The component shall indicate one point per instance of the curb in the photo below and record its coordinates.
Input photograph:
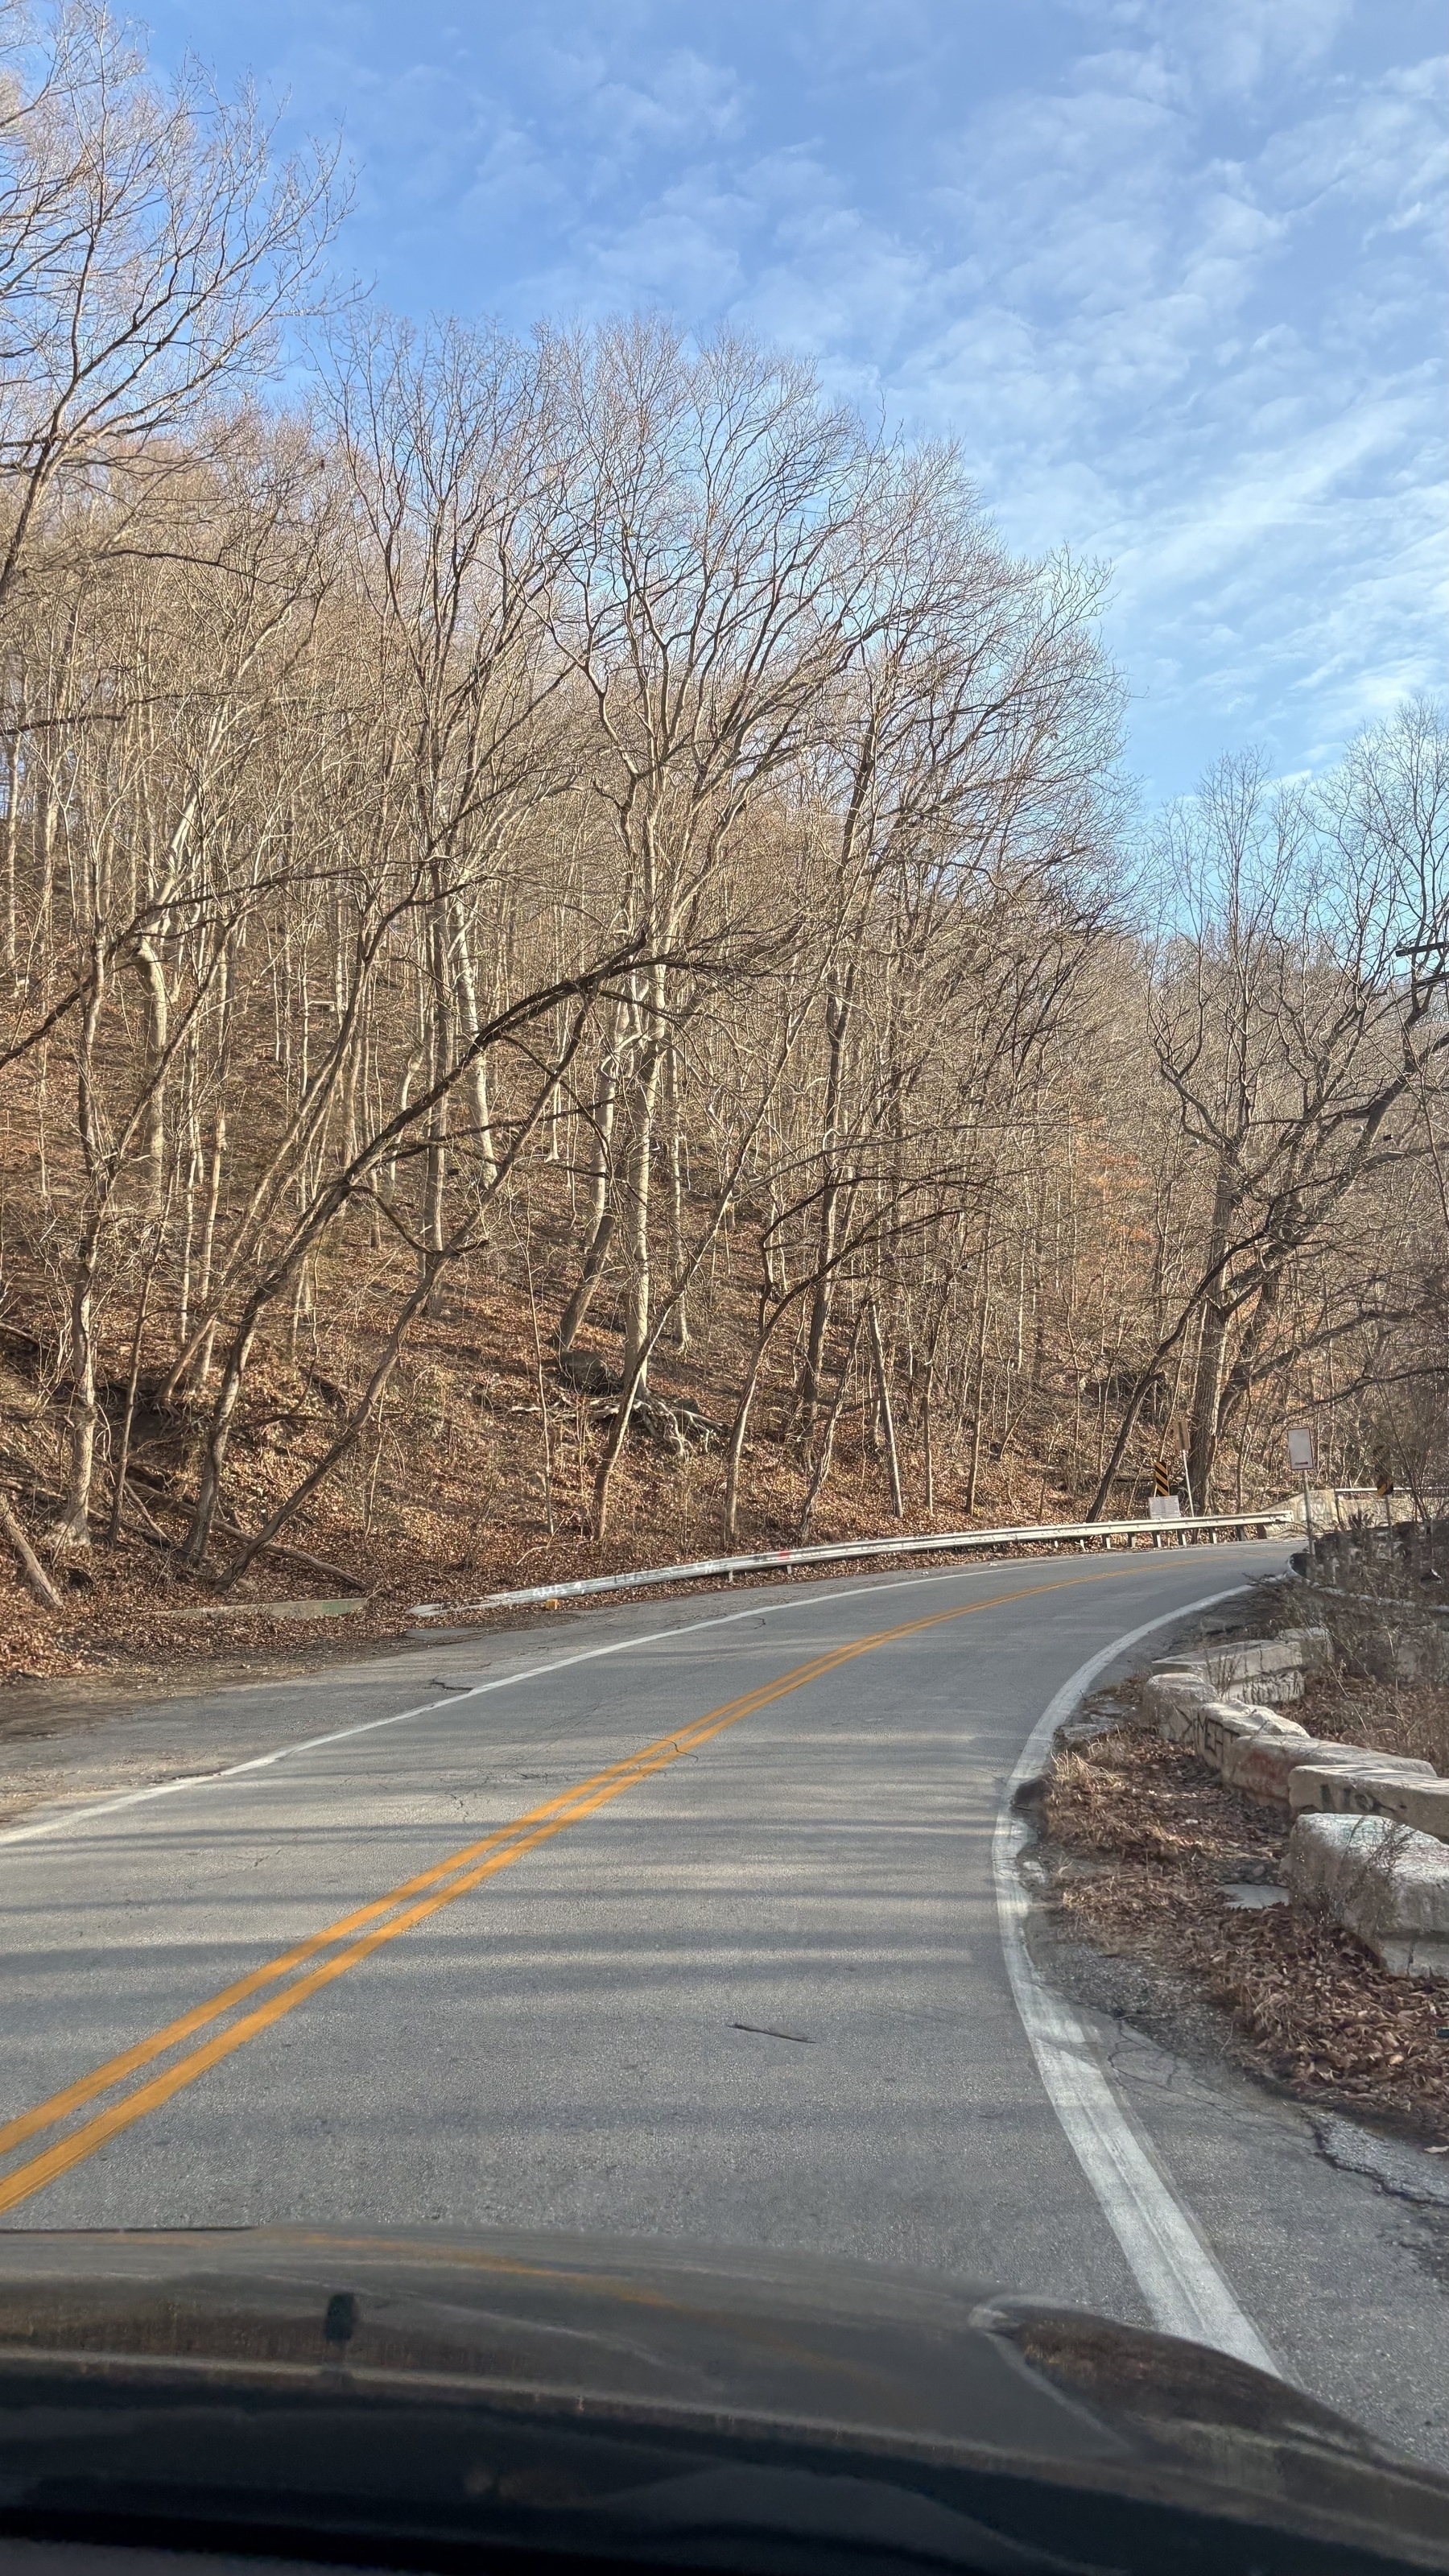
(1370, 1836)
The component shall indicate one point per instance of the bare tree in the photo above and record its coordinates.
(589, 815)
(151, 251)
(1294, 1023)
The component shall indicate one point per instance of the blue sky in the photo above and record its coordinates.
(1171, 271)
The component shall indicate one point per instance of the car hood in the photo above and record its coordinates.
(650, 2343)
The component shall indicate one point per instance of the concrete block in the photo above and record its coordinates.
(1386, 1883)
(1257, 1672)
(1262, 1764)
(1169, 1697)
(1209, 1726)
(1264, 1716)
(1278, 1689)
(1225, 1721)
(1175, 1716)
(1408, 1791)
(1186, 1715)
(1271, 1668)
(1313, 1647)
(1246, 1658)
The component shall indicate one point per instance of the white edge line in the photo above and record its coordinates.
(1186, 2291)
(758, 1608)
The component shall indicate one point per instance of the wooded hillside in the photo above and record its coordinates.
(579, 972)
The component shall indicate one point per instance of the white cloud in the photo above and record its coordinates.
(1166, 270)
(1231, 48)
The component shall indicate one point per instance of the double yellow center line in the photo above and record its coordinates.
(314, 1963)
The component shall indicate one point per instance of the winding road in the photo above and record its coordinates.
(677, 1920)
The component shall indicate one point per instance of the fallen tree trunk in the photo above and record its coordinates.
(161, 1493)
(27, 1560)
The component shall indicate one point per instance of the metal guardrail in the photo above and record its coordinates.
(1034, 1534)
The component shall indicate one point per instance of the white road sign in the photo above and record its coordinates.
(1300, 1448)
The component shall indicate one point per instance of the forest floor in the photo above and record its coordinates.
(1152, 1861)
(476, 1479)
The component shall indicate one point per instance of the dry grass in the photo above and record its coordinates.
(1375, 1692)
(1140, 1837)
(1392, 1717)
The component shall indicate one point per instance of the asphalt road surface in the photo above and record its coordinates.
(676, 1920)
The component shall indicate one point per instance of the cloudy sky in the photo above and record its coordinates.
(1171, 271)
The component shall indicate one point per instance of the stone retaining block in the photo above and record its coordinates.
(1383, 1881)
(1263, 1763)
(1205, 1725)
(1383, 1785)
(1222, 1722)
(1273, 1667)
(1176, 1708)
(1167, 1693)
(1358, 1813)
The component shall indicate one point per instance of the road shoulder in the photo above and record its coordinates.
(1334, 2236)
